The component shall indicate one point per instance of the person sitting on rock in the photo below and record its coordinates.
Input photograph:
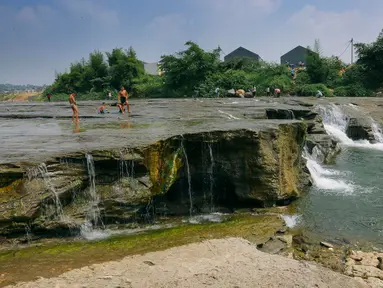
(277, 92)
(102, 109)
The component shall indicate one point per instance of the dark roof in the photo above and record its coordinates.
(241, 49)
(299, 47)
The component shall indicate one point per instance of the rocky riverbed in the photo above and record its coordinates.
(170, 158)
(229, 262)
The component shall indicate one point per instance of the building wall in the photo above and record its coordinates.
(295, 55)
(151, 68)
(240, 52)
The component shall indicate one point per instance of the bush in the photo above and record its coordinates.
(312, 89)
(148, 86)
(355, 90)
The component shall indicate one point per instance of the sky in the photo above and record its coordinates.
(39, 38)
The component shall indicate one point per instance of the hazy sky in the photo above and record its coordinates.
(38, 37)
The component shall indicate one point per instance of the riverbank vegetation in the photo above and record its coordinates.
(196, 72)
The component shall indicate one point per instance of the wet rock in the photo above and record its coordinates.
(359, 129)
(273, 246)
(326, 244)
(254, 167)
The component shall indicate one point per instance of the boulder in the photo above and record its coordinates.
(193, 172)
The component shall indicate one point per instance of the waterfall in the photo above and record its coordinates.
(335, 124)
(42, 171)
(92, 218)
(189, 179)
(376, 131)
(126, 168)
(322, 177)
(211, 178)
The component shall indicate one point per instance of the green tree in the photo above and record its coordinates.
(316, 68)
(186, 70)
(124, 67)
(370, 58)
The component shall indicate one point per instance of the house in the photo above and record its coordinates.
(151, 68)
(242, 52)
(298, 54)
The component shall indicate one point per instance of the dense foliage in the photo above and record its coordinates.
(196, 72)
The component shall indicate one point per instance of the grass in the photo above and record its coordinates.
(20, 97)
(52, 260)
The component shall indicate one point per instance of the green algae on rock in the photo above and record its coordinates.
(253, 167)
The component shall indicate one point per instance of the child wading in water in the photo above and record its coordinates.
(102, 109)
(74, 107)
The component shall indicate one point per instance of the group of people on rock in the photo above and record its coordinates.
(121, 103)
(253, 92)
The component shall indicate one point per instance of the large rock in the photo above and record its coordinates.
(359, 129)
(179, 175)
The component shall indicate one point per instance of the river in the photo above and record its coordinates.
(346, 199)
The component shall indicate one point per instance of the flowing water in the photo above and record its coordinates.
(92, 219)
(189, 180)
(346, 199)
(211, 178)
(41, 171)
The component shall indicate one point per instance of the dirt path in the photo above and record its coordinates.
(222, 263)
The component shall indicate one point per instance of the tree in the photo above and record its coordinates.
(316, 67)
(124, 67)
(371, 62)
(187, 69)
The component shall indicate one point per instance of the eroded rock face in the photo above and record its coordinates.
(220, 169)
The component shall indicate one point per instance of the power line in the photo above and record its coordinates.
(349, 43)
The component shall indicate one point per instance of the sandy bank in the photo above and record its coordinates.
(222, 263)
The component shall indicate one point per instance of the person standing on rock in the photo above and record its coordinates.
(268, 91)
(74, 107)
(123, 100)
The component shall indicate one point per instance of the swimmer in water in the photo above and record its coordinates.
(74, 107)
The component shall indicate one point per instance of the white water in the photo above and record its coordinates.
(376, 131)
(189, 180)
(92, 219)
(291, 220)
(213, 217)
(335, 123)
(103, 234)
(322, 177)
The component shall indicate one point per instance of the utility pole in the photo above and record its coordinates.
(352, 51)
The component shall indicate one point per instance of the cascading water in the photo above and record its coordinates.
(42, 171)
(92, 218)
(189, 179)
(376, 131)
(211, 178)
(335, 123)
(322, 177)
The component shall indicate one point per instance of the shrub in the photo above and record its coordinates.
(312, 89)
